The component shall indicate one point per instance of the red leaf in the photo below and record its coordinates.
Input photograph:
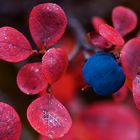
(47, 24)
(130, 58)
(97, 21)
(65, 88)
(124, 19)
(136, 91)
(107, 121)
(10, 125)
(49, 117)
(110, 34)
(98, 41)
(54, 64)
(30, 79)
(14, 47)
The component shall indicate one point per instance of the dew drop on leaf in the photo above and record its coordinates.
(54, 64)
(47, 24)
(130, 58)
(30, 79)
(14, 47)
(10, 125)
(136, 91)
(49, 117)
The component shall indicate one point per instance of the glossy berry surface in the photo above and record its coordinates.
(103, 73)
(10, 125)
(47, 24)
(49, 117)
(30, 79)
(54, 64)
(14, 47)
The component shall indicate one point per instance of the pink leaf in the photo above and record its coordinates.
(136, 91)
(54, 64)
(97, 21)
(14, 47)
(49, 117)
(107, 121)
(130, 57)
(10, 125)
(47, 24)
(110, 34)
(124, 19)
(30, 79)
(98, 41)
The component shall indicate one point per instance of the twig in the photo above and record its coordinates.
(80, 37)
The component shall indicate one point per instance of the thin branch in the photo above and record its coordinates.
(80, 36)
(79, 33)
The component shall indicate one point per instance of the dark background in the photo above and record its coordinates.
(15, 13)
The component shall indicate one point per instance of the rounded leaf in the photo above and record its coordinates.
(47, 24)
(49, 117)
(14, 47)
(10, 124)
(136, 91)
(107, 121)
(124, 19)
(30, 79)
(130, 58)
(98, 41)
(54, 64)
(97, 21)
(110, 34)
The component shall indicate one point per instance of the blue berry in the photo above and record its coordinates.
(103, 74)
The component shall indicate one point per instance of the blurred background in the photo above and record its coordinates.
(15, 13)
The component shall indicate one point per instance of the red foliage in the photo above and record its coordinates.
(107, 121)
(30, 79)
(65, 88)
(49, 117)
(110, 34)
(98, 41)
(14, 47)
(124, 19)
(54, 64)
(47, 24)
(75, 133)
(136, 91)
(130, 58)
(97, 21)
(10, 125)
(67, 43)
